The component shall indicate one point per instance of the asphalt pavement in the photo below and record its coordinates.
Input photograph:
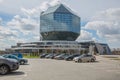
(48, 69)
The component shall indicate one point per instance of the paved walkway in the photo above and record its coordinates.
(47, 69)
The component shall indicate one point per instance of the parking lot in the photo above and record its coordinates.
(50, 69)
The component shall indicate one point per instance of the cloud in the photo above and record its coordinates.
(1, 1)
(30, 21)
(31, 13)
(36, 11)
(0, 21)
(44, 6)
(10, 36)
(47, 4)
(54, 2)
(107, 25)
(108, 15)
(85, 36)
(24, 25)
(103, 27)
(4, 45)
(24, 28)
(7, 33)
(19, 29)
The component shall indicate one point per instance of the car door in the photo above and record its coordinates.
(86, 58)
(89, 57)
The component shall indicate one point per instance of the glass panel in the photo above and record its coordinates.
(60, 22)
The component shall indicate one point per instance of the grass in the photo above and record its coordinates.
(115, 59)
(28, 56)
(110, 57)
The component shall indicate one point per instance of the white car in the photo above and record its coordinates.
(85, 58)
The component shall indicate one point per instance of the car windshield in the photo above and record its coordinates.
(1, 57)
(11, 56)
(82, 55)
(61, 55)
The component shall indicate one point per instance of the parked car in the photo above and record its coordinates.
(20, 60)
(54, 55)
(7, 65)
(18, 54)
(43, 55)
(49, 55)
(61, 56)
(70, 57)
(85, 58)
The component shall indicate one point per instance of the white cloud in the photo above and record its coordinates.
(47, 4)
(103, 27)
(31, 13)
(54, 2)
(1, 1)
(19, 29)
(6, 32)
(0, 21)
(44, 5)
(23, 28)
(108, 15)
(36, 11)
(4, 45)
(107, 25)
(25, 25)
(85, 36)
(30, 21)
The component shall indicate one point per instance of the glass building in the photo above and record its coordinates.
(60, 27)
(59, 23)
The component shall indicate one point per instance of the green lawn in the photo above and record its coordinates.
(115, 59)
(110, 57)
(28, 56)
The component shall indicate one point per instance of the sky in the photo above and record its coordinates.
(19, 20)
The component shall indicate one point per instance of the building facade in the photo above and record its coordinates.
(59, 27)
(59, 23)
(69, 47)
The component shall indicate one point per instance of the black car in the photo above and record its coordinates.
(43, 55)
(70, 57)
(53, 56)
(49, 55)
(61, 56)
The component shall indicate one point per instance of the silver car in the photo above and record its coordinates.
(8, 65)
(85, 58)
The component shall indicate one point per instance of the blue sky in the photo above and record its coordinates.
(19, 20)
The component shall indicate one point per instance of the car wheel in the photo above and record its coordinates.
(79, 60)
(4, 69)
(92, 60)
(22, 62)
(69, 59)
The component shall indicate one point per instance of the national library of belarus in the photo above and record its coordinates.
(59, 29)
